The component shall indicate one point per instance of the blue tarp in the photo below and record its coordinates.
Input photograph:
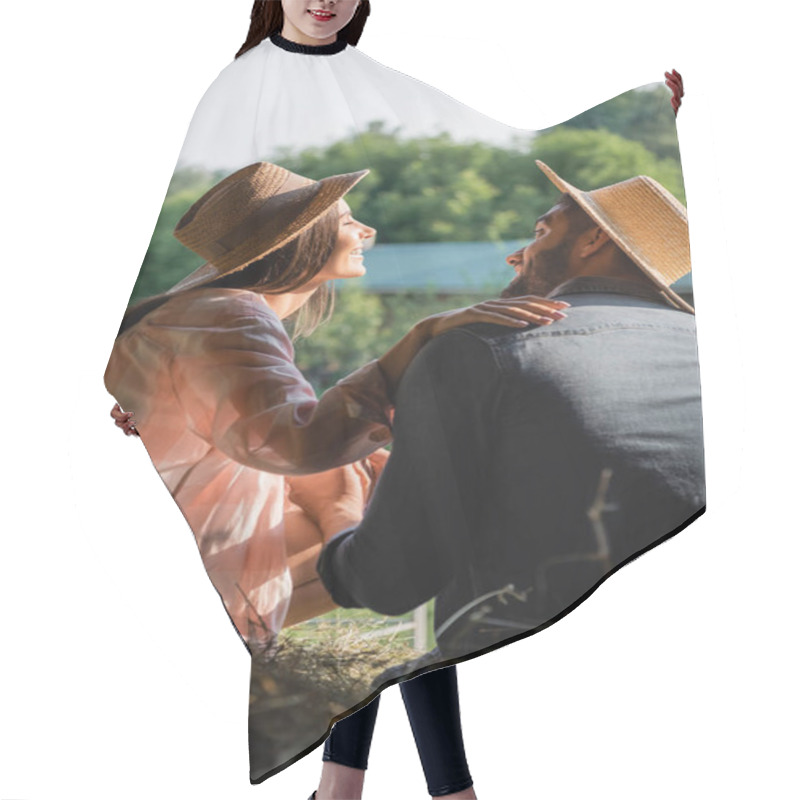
(447, 267)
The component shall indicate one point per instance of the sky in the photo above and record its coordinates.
(121, 678)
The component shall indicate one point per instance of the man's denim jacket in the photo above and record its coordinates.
(544, 458)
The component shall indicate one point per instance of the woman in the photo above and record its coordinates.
(207, 370)
(297, 64)
(286, 87)
(299, 82)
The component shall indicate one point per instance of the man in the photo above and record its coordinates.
(529, 465)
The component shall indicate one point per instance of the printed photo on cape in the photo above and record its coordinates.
(500, 487)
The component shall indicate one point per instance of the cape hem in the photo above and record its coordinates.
(460, 659)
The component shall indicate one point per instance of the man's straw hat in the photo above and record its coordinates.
(645, 221)
(252, 213)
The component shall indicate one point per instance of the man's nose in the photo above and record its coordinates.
(515, 259)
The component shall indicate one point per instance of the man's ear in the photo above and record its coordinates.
(592, 241)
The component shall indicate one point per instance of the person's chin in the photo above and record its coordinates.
(354, 272)
(514, 289)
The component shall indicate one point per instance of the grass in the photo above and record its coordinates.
(315, 673)
(368, 621)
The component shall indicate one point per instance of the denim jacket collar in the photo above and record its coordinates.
(599, 284)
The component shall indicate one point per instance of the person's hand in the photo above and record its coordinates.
(124, 420)
(515, 312)
(674, 82)
(376, 461)
(334, 499)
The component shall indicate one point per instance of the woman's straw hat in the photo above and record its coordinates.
(645, 221)
(252, 213)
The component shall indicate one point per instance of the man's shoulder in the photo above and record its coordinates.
(601, 308)
(585, 315)
(475, 337)
(480, 344)
(591, 327)
(483, 336)
(473, 355)
(486, 334)
(456, 358)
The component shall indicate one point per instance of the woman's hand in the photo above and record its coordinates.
(334, 499)
(377, 462)
(515, 312)
(674, 82)
(124, 420)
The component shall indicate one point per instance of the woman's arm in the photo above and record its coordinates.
(240, 389)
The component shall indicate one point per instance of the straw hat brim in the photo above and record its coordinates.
(288, 216)
(596, 213)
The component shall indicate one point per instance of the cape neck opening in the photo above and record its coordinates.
(308, 49)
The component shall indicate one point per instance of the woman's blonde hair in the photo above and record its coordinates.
(289, 268)
(284, 270)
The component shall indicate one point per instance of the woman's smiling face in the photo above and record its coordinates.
(347, 258)
(316, 22)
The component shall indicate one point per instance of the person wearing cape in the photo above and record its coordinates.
(285, 92)
(435, 695)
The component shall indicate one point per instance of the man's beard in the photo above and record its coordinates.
(548, 270)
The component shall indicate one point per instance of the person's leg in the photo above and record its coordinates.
(433, 711)
(346, 754)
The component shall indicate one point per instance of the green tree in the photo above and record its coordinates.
(644, 115)
(432, 189)
(363, 327)
(590, 159)
(167, 261)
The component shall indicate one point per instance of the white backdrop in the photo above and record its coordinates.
(120, 676)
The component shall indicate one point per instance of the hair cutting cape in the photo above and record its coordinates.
(525, 468)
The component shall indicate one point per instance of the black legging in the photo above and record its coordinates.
(432, 707)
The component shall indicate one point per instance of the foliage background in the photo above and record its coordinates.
(436, 190)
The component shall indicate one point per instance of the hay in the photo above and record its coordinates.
(309, 677)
